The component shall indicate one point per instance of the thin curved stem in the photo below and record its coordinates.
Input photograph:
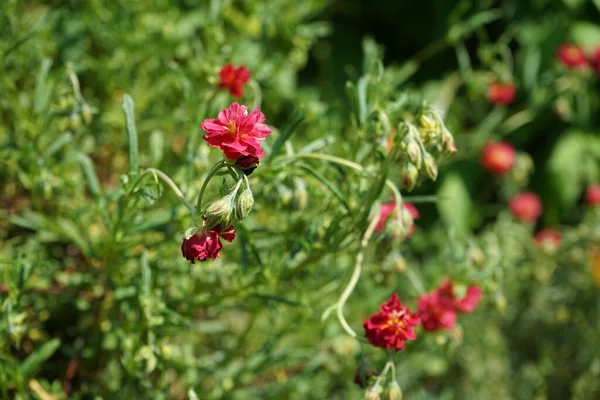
(355, 276)
(174, 187)
(211, 173)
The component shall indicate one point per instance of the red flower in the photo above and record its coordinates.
(595, 60)
(438, 308)
(501, 94)
(498, 157)
(572, 56)
(234, 79)
(548, 239)
(592, 194)
(392, 326)
(206, 244)
(526, 206)
(236, 132)
(386, 209)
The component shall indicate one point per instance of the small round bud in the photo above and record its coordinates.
(447, 142)
(244, 204)
(373, 393)
(394, 391)
(413, 150)
(406, 218)
(430, 166)
(219, 212)
(428, 123)
(410, 175)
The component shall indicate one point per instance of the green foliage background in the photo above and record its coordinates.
(96, 300)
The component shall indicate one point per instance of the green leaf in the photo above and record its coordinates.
(192, 395)
(58, 144)
(129, 109)
(42, 89)
(89, 171)
(456, 210)
(39, 356)
(327, 183)
(573, 4)
(586, 34)
(157, 143)
(286, 133)
(146, 273)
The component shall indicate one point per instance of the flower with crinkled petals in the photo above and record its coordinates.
(498, 157)
(234, 79)
(526, 207)
(437, 309)
(572, 56)
(548, 239)
(392, 326)
(501, 94)
(206, 244)
(236, 132)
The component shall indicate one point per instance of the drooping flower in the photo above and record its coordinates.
(548, 239)
(206, 244)
(498, 157)
(387, 209)
(592, 195)
(236, 132)
(438, 308)
(572, 56)
(501, 94)
(526, 207)
(595, 60)
(392, 325)
(234, 79)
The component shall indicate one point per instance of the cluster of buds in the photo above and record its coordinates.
(421, 143)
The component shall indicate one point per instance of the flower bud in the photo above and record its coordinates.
(373, 393)
(244, 204)
(447, 142)
(219, 212)
(394, 391)
(410, 175)
(413, 150)
(430, 166)
(406, 218)
(428, 123)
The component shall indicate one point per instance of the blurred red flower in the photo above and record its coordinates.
(234, 79)
(501, 94)
(526, 206)
(206, 244)
(548, 239)
(386, 209)
(236, 132)
(595, 60)
(498, 157)
(392, 326)
(572, 56)
(438, 308)
(592, 194)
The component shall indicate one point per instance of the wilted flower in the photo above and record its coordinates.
(236, 132)
(438, 308)
(572, 56)
(592, 194)
(386, 209)
(498, 157)
(206, 244)
(501, 94)
(548, 239)
(247, 163)
(234, 79)
(526, 206)
(392, 326)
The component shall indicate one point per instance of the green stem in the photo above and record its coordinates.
(211, 173)
(174, 187)
(388, 365)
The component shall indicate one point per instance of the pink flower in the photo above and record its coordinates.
(526, 206)
(592, 194)
(234, 79)
(206, 244)
(438, 308)
(392, 326)
(548, 239)
(501, 94)
(498, 157)
(236, 132)
(386, 209)
(572, 56)
(595, 60)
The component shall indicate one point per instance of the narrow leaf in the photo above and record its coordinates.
(286, 133)
(39, 356)
(129, 108)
